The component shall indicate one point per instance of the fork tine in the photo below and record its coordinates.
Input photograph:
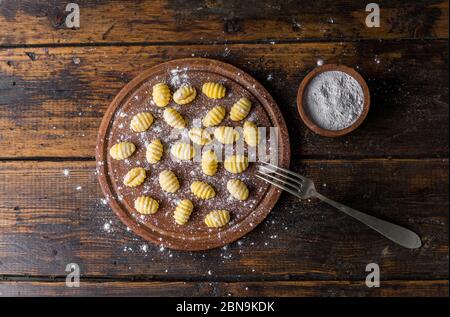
(295, 187)
(279, 186)
(299, 182)
(286, 171)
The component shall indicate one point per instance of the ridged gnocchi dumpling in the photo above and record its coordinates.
(183, 151)
(217, 218)
(161, 94)
(202, 190)
(200, 136)
(154, 151)
(174, 118)
(237, 189)
(214, 90)
(169, 181)
(183, 211)
(251, 133)
(236, 164)
(146, 205)
(226, 135)
(214, 116)
(122, 150)
(141, 122)
(185, 94)
(240, 109)
(134, 177)
(209, 163)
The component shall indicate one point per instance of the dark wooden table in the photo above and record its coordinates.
(55, 84)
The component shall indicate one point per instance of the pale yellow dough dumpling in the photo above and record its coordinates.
(184, 95)
(236, 164)
(240, 109)
(154, 151)
(122, 150)
(141, 122)
(146, 205)
(251, 133)
(183, 151)
(183, 211)
(214, 90)
(237, 189)
(200, 136)
(226, 135)
(209, 163)
(202, 190)
(174, 118)
(169, 181)
(214, 116)
(134, 177)
(161, 94)
(217, 218)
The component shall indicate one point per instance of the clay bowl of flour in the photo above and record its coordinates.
(333, 100)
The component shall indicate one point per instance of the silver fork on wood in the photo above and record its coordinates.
(304, 188)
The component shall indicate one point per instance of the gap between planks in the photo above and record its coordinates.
(181, 278)
(230, 42)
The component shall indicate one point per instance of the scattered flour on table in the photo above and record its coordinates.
(334, 100)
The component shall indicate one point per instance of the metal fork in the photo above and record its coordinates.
(304, 188)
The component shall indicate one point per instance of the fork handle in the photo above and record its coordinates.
(397, 234)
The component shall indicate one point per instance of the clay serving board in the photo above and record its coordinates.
(160, 228)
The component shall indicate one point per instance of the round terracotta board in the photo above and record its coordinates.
(160, 228)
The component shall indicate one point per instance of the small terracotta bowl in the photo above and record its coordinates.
(304, 115)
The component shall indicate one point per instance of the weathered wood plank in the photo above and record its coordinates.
(43, 22)
(49, 220)
(51, 105)
(244, 289)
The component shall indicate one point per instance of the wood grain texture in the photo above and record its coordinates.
(221, 289)
(58, 98)
(43, 22)
(49, 220)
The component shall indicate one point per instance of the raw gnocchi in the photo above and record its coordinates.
(183, 211)
(217, 218)
(135, 177)
(141, 122)
(146, 205)
(214, 90)
(174, 118)
(183, 151)
(168, 181)
(240, 109)
(236, 164)
(185, 94)
(226, 135)
(161, 94)
(251, 133)
(237, 189)
(122, 150)
(209, 163)
(202, 190)
(214, 116)
(200, 136)
(154, 151)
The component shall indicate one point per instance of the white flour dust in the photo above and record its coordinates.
(334, 100)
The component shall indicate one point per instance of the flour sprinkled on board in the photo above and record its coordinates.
(179, 76)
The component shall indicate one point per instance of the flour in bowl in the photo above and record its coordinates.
(333, 100)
